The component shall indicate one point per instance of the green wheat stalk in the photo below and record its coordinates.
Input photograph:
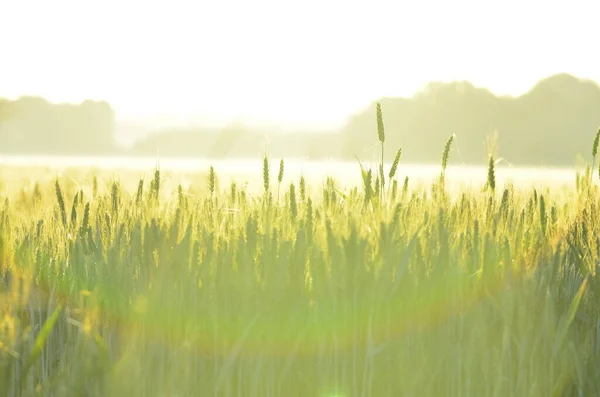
(381, 136)
(446, 153)
(61, 203)
(491, 174)
(211, 181)
(279, 177)
(266, 174)
(595, 153)
(293, 204)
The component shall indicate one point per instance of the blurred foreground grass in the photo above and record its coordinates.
(141, 289)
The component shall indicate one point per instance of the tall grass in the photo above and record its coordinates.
(216, 293)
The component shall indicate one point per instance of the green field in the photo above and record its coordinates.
(115, 287)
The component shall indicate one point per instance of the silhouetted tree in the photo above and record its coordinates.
(34, 125)
(551, 124)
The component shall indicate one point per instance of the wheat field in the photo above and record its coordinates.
(120, 287)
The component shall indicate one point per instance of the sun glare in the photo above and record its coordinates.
(311, 62)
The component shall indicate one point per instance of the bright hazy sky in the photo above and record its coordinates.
(311, 61)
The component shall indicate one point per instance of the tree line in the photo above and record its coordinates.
(34, 125)
(551, 124)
